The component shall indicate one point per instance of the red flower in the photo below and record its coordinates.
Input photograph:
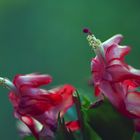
(114, 78)
(33, 104)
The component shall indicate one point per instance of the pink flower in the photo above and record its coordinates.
(33, 104)
(114, 78)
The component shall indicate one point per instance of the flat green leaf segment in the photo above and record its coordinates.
(136, 136)
(109, 124)
(62, 132)
(29, 138)
(87, 133)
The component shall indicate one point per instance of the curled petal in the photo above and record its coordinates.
(66, 93)
(124, 71)
(133, 103)
(31, 125)
(116, 39)
(39, 103)
(116, 52)
(23, 129)
(31, 80)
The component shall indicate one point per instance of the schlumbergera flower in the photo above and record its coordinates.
(115, 79)
(34, 106)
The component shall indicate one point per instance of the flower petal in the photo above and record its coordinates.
(112, 92)
(31, 125)
(116, 39)
(73, 125)
(116, 52)
(37, 104)
(32, 80)
(133, 103)
(66, 93)
(124, 71)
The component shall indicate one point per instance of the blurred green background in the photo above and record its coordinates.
(46, 36)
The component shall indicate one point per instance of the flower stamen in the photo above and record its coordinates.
(93, 41)
(7, 84)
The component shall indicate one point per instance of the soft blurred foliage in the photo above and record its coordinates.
(46, 36)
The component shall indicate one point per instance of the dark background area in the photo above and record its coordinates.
(46, 36)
